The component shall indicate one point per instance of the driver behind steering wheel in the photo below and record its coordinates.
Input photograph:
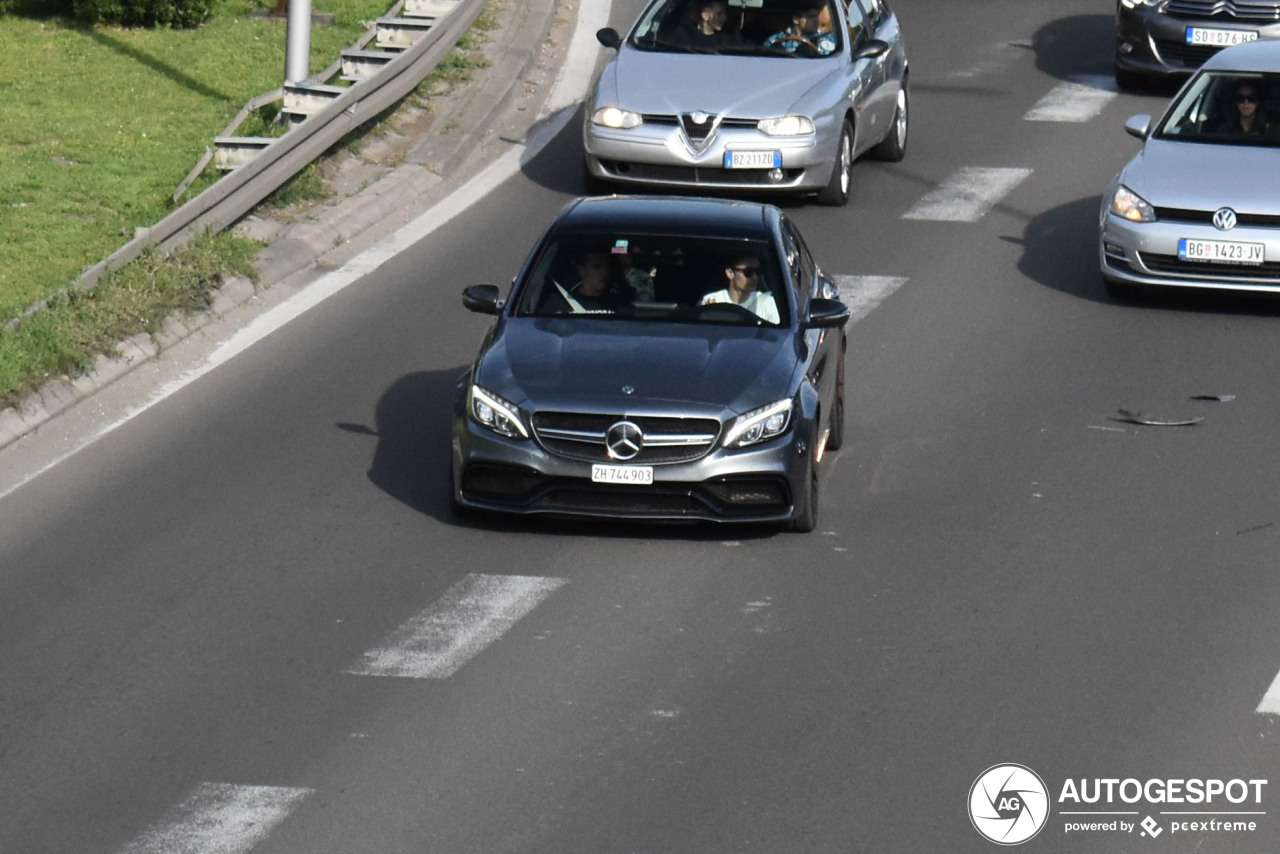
(804, 35)
(744, 279)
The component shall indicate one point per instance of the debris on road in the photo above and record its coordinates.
(1138, 418)
(1218, 398)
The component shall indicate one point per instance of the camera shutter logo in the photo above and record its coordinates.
(1008, 804)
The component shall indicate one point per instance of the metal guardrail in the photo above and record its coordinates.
(239, 191)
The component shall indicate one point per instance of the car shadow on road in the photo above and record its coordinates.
(1081, 44)
(413, 427)
(1060, 251)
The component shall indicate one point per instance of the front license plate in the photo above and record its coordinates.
(1221, 251)
(637, 475)
(1219, 38)
(753, 159)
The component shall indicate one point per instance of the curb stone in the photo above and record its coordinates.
(526, 44)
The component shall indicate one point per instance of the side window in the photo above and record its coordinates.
(875, 12)
(857, 23)
(800, 263)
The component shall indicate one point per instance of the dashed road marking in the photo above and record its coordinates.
(967, 195)
(470, 616)
(219, 818)
(1079, 99)
(863, 293)
(1270, 704)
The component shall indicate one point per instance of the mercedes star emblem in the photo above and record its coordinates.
(624, 440)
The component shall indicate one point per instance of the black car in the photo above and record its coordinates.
(658, 358)
(1162, 38)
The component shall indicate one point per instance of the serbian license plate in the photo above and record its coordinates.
(636, 475)
(1219, 38)
(753, 160)
(1221, 251)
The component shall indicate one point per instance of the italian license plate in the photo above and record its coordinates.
(753, 159)
(1219, 38)
(1221, 251)
(636, 475)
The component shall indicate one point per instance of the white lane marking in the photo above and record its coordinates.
(571, 85)
(470, 616)
(967, 195)
(1270, 704)
(1079, 99)
(219, 818)
(863, 293)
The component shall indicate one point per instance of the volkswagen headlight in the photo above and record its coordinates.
(499, 415)
(1129, 205)
(786, 126)
(616, 117)
(759, 425)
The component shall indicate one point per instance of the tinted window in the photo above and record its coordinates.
(645, 277)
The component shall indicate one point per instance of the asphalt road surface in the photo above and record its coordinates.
(247, 621)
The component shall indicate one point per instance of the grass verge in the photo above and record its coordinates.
(64, 337)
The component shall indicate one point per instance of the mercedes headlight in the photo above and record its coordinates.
(616, 117)
(759, 425)
(786, 126)
(499, 415)
(1129, 205)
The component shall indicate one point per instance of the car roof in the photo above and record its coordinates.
(1260, 55)
(678, 215)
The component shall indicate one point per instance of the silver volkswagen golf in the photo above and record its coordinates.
(749, 95)
(1199, 205)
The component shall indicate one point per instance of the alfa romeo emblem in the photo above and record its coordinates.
(624, 440)
(1224, 219)
(699, 118)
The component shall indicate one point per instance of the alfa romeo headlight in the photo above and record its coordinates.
(496, 413)
(1129, 205)
(786, 126)
(616, 117)
(759, 425)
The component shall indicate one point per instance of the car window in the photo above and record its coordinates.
(873, 12)
(800, 264)
(655, 278)
(1230, 108)
(857, 22)
(755, 27)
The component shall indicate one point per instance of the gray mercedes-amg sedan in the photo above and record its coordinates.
(749, 96)
(657, 358)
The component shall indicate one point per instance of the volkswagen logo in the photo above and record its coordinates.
(624, 440)
(1224, 219)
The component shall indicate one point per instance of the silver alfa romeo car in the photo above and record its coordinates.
(749, 95)
(1199, 205)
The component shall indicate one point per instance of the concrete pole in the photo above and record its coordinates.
(297, 52)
